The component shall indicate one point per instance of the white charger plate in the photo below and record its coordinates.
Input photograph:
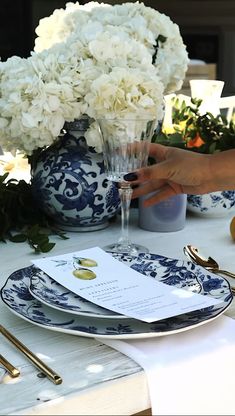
(16, 296)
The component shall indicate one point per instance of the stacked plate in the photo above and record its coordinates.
(37, 298)
(3, 373)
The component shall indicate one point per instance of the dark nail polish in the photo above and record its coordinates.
(130, 177)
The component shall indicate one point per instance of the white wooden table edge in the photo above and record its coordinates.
(126, 396)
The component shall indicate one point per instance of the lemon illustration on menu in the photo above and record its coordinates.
(83, 272)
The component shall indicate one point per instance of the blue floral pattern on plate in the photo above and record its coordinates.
(16, 296)
(169, 271)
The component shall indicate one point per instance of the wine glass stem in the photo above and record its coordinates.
(125, 193)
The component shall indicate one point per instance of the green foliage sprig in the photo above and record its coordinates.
(199, 133)
(20, 218)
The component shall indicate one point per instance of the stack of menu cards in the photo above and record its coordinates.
(96, 276)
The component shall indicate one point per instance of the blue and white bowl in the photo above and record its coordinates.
(215, 204)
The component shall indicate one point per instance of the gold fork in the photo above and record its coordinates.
(51, 374)
(209, 264)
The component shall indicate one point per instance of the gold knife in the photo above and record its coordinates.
(13, 371)
(55, 378)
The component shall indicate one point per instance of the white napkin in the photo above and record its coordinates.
(188, 373)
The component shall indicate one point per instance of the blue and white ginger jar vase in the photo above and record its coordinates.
(70, 184)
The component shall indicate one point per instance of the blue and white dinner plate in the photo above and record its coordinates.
(170, 271)
(17, 297)
(53, 294)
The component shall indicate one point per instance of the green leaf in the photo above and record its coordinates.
(218, 135)
(176, 138)
(63, 236)
(3, 177)
(44, 248)
(18, 238)
(21, 219)
(161, 38)
(212, 148)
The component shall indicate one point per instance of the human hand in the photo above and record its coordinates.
(176, 171)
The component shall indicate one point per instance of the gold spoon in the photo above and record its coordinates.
(209, 263)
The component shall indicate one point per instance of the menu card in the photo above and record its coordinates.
(96, 276)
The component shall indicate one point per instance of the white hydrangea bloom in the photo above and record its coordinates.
(94, 59)
(62, 23)
(123, 93)
(154, 30)
(37, 96)
(93, 137)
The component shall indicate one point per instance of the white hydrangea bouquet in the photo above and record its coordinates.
(97, 59)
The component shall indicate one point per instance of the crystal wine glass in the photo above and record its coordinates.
(125, 145)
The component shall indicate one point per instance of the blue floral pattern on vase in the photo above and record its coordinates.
(70, 184)
(214, 203)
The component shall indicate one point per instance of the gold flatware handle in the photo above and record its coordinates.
(13, 371)
(232, 290)
(55, 378)
(192, 253)
(225, 272)
(209, 264)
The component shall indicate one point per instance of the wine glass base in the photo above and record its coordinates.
(131, 249)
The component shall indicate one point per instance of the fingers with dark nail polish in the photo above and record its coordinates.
(129, 177)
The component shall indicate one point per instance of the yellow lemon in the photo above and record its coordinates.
(84, 274)
(232, 228)
(86, 262)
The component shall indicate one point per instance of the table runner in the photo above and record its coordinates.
(188, 373)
